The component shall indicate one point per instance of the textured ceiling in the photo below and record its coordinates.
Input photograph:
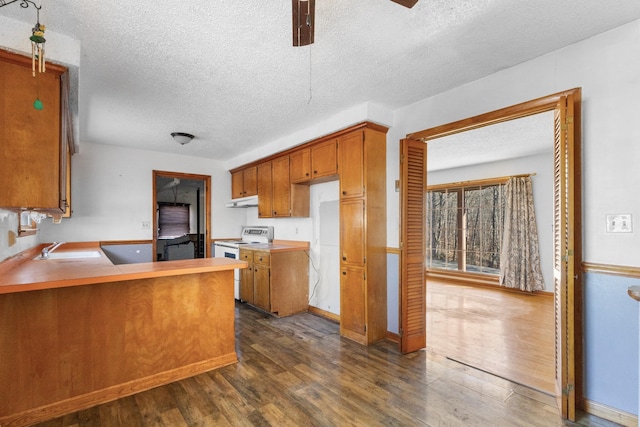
(226, 70)
(527, 136)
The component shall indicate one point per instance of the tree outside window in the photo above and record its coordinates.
(464, 228)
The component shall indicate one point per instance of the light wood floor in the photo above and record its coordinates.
(506, 333)
(298, 371)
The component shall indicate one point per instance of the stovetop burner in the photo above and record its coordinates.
(250, 234)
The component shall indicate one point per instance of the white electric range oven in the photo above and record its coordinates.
(231, 248)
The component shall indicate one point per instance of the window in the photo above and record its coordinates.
(464, 227)
(173, 220)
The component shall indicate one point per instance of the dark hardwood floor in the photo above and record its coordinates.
(298, 371)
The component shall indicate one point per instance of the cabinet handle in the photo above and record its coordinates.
(344, 193)
(275, 213)
(344, 273)
(315, 172)
(344, 258)
(306, 174)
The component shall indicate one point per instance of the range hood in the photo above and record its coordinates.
(243, 202)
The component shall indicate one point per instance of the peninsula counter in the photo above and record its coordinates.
(78, 332)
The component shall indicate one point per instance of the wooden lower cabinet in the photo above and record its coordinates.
(262, 287)
(246, 277)
(352, 303)
(275, 281)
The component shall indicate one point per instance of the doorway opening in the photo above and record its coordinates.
(181, 219)
(567, 247)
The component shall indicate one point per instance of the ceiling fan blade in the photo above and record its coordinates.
(406, 3)
(303, 12)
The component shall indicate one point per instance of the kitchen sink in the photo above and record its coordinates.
(72, 255)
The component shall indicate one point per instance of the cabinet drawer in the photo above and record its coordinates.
(262, 258)
(246, 255)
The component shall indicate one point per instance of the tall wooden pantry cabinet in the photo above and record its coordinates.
(363, 238)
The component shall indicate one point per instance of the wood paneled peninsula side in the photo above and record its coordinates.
(76, 332)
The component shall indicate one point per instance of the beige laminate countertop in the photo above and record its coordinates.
(24, 273)
(275, 247)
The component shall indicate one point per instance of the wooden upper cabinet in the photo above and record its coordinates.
(317, 163)
(244, 183)
(351, 165)
(324, 162)
(300, 165)
(265, 190)
(237, 184)
(32, 153)
(281, 187)
(289, 200)
(251, 181)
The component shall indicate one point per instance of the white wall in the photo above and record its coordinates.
(111, 190)
(9, 227)
(60, 48)
(607, 67)
(324, 268)
(321, 230)
(542, 166)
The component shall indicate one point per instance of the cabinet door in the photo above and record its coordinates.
(324, 160)
(244, 183)
(250, 181)
(265, 190)
(300, 164)
(351, 165)
(30, 143)
(246, 284)
(352, 301)
(352, 232)
(261, 287)
(237, 185)
(281, 187)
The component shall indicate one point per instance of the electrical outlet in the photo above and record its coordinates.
(146, 225)
(619, 223)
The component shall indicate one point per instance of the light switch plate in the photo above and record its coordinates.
(619, 223)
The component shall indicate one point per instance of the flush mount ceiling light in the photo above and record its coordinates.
(181, 137)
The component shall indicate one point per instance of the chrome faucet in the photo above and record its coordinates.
(46, 251)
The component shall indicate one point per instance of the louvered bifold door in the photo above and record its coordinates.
(564, 261)
(413, 170)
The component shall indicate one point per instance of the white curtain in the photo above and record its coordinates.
(520, 255)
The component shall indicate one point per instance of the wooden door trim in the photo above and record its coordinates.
(524, 109)
(539, 105)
